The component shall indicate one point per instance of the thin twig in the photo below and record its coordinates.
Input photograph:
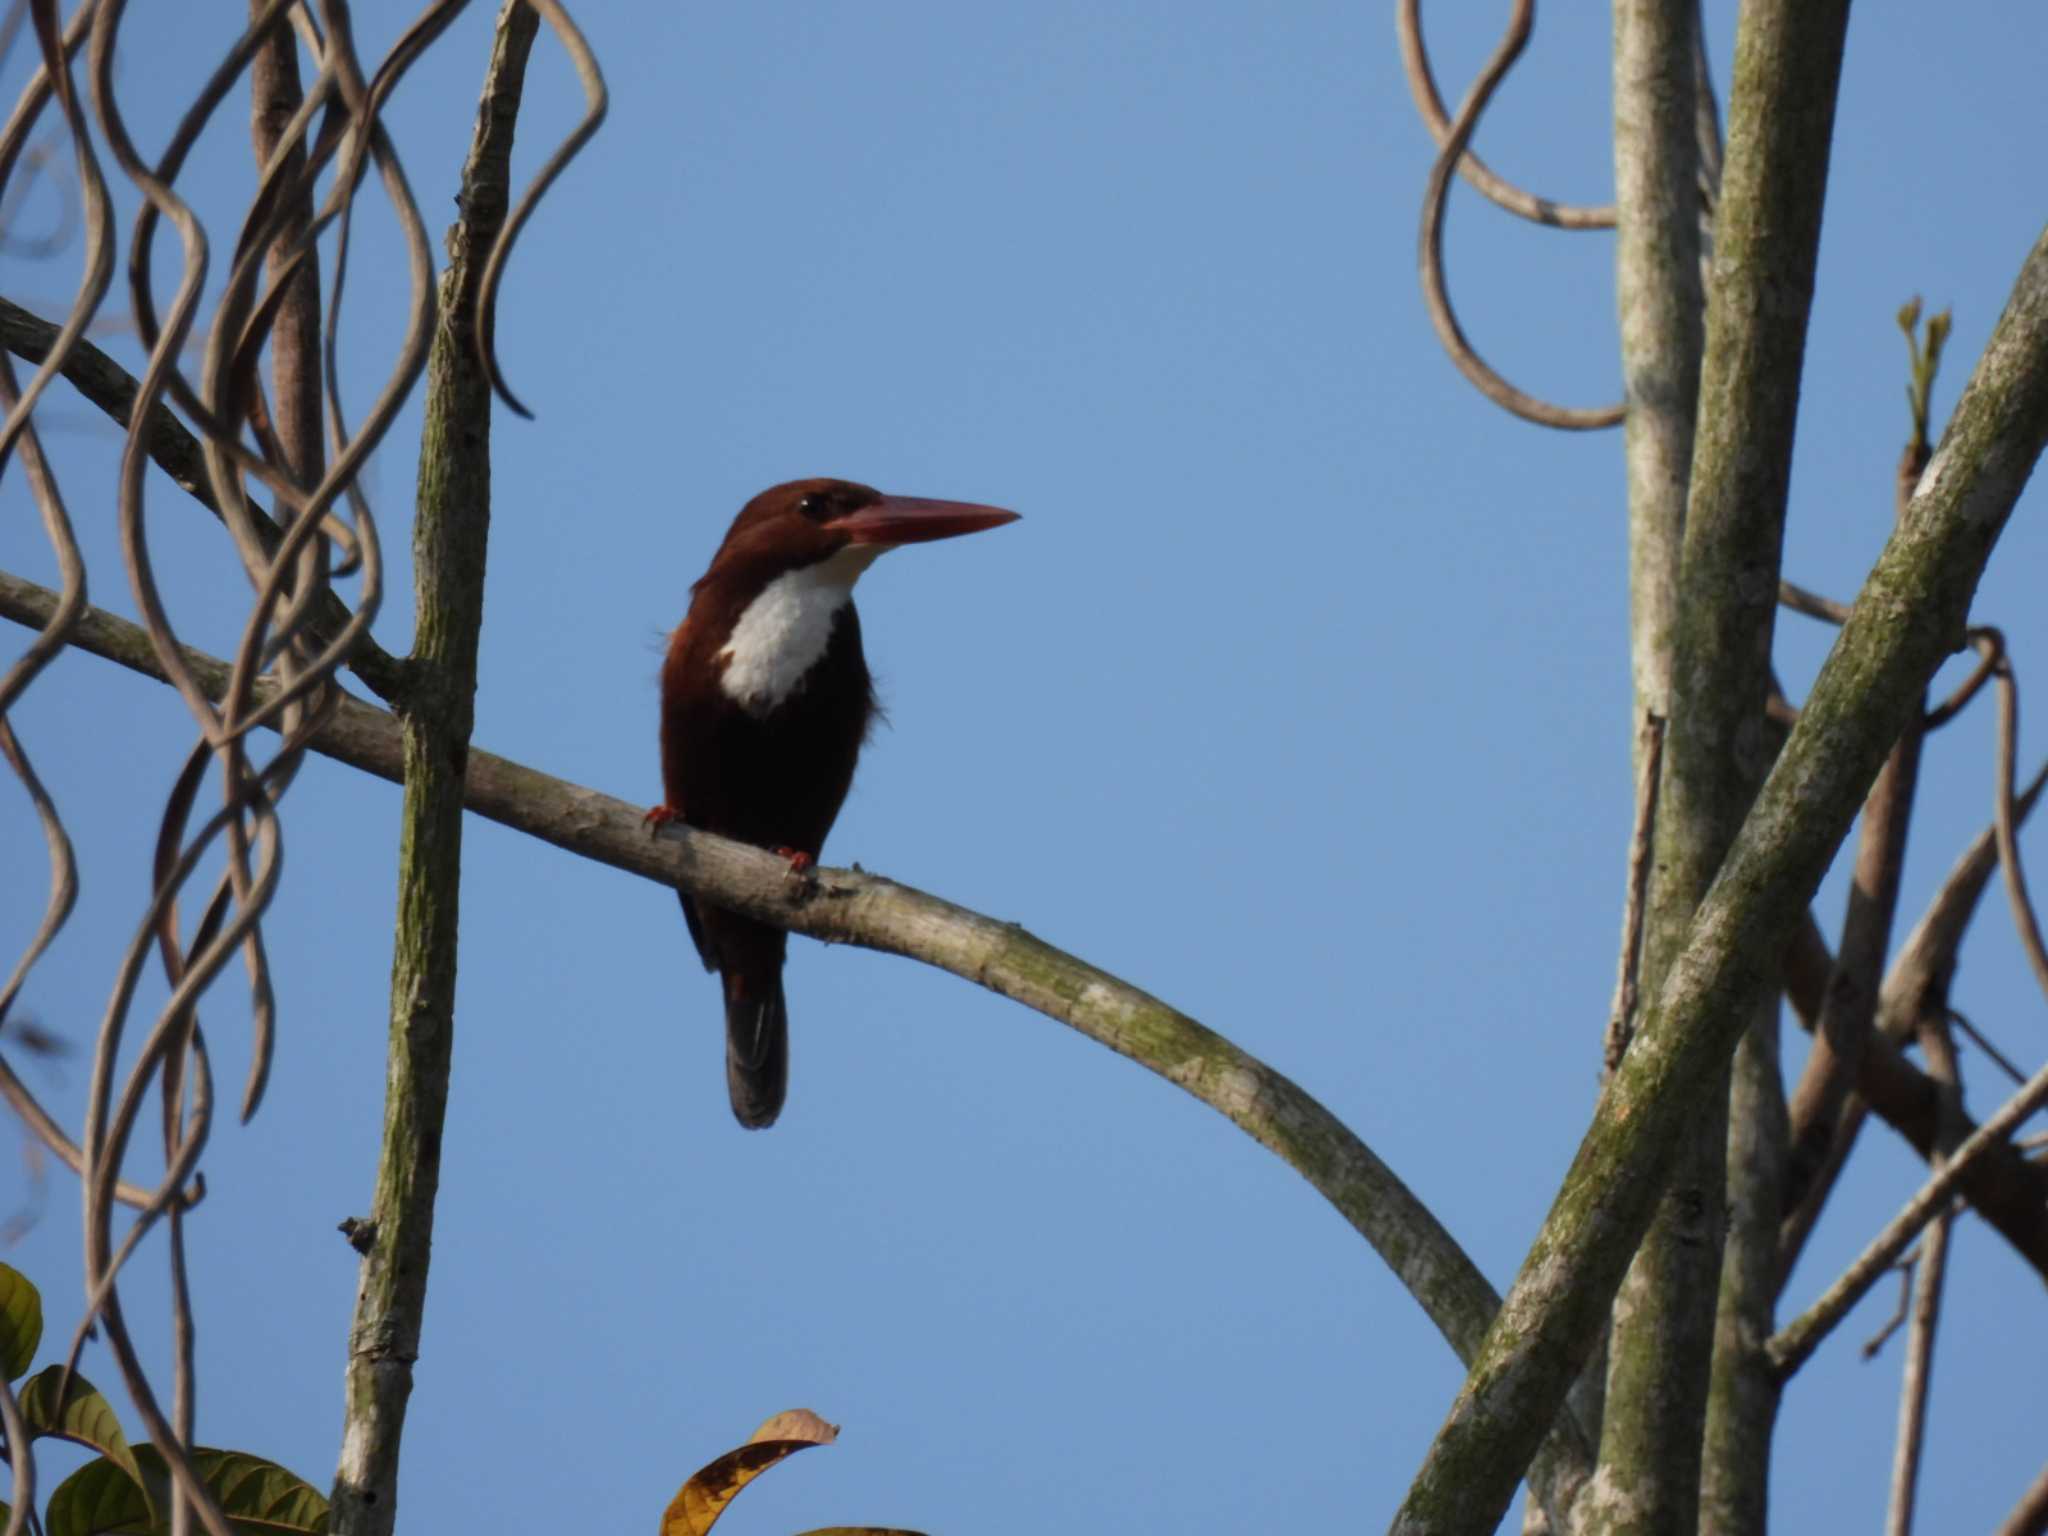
(1842, 1033)
(1928, 1277)
(1504, 193)
(1990, 645)
(174, 450)
(1999, 1186)
(1791, 1346)
(596, 102)
(2004, 1062)
(1430, 255)
(1919, 975)
(1874, 1345)
(1812, 604)
(1641, 844)
(22, 1461)
(2007, 822)
(2030, 1516)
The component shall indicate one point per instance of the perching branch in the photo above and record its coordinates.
(872, 912)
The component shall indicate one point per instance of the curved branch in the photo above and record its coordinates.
(597, 101)
(872, 912)
(174, 450)
(1496, 188)
(2006, 821)
(1430, 256)
(1990, 644)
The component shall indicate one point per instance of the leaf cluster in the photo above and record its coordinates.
(125, 1490)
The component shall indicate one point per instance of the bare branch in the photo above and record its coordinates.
(2000, 1186)
(2007, 823)
(1983, 1043)
(1743, 1391)
(1622, 1016)
(1874, 1345)
(174, 450)
(596, 103)
(851, 907)
(1792, 1345)
(1919, 975)
(1812, 604)
(1990, 651)
(274, 100)
(1430, 104)
(1430, 258)
(1840, 1036)
(2030, 1515)
(1929, 1274)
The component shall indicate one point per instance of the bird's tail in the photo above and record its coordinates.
(756, 1046)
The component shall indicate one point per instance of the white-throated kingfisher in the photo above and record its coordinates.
(765, 701)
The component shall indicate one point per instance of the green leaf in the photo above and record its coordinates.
(84, 1417)
(259, 1497)
(21, 1322)
(99, 1496)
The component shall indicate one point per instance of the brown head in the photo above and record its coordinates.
(803, 522)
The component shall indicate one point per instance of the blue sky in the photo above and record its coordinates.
(1300, 697)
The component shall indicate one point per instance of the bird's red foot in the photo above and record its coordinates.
(799, 861)
(660, 816)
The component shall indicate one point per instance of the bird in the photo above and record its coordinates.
(766, 701)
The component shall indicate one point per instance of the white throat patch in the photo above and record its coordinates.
(784, 630)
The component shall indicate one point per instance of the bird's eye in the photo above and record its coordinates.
(813, 507)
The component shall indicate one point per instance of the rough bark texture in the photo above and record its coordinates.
(1742, 1398)
(450, 534)
(1929, 1274)
(1657, 269)
(297, 392)
(1821, 1129)
(1910, 615)
(1657, 285)
(1716, 746)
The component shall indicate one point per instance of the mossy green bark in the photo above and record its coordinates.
(1908, 618)
(450, 539)
(1767, 236)
(1660, 302)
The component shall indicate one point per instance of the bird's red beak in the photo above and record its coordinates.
(913, 520)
